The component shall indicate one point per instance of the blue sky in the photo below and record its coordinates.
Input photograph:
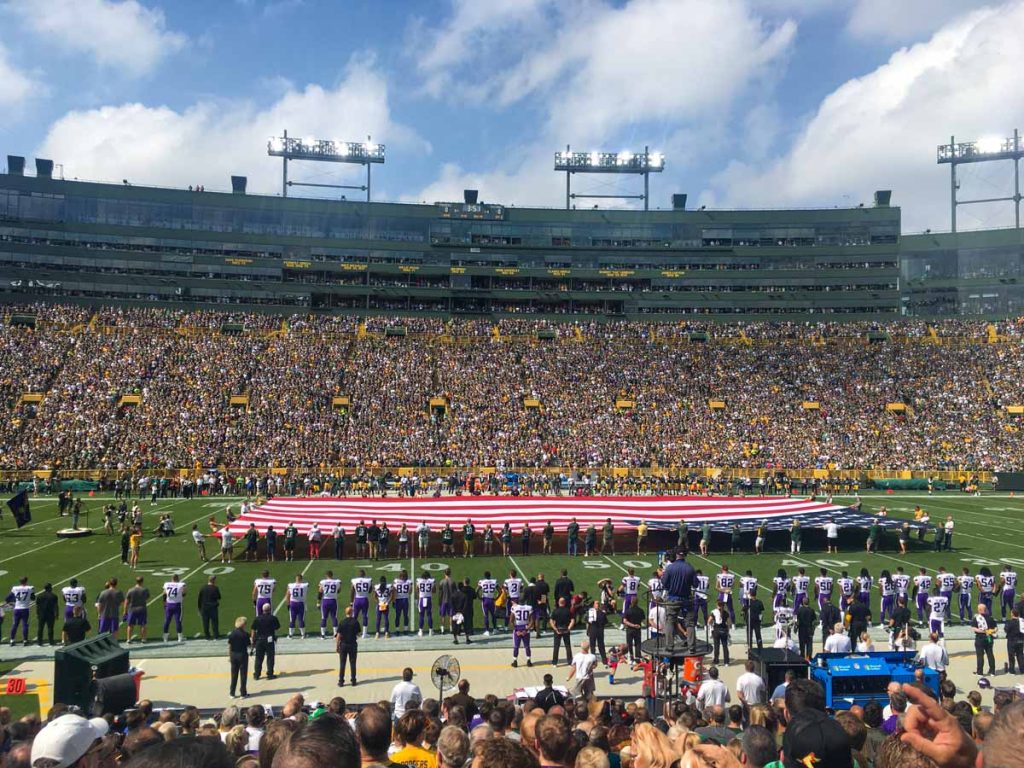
(775, 103)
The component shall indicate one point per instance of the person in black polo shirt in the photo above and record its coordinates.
(346, 643)
(46, 612)
(860, 614)
(548, 697)
(209, 608)
(264, 639)
(634, 621)
(75, 628)
(564, 587)
(754, 613)
(238, 655)
(561, 624)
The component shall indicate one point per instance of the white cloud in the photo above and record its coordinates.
(211, 140)
(880, 131)
(888, 21)
(600, 75)
(124, 34)
(474, 30)
(15, 86)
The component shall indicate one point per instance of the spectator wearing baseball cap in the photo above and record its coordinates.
(68, 741)
(812, 737)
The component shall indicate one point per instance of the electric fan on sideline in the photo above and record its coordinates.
(444, 673)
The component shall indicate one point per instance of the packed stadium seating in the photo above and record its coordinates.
(123, 388)
(790, 729)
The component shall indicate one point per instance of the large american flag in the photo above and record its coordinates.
(626, 512)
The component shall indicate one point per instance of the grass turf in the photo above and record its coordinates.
(987, 533)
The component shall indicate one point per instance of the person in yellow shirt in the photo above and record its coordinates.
(641, 536)
(409, 735)
(134, 542)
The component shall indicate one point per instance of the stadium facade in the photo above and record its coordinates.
(74, 241)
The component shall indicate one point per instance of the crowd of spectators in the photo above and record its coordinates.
(918, 729)
(520, 403)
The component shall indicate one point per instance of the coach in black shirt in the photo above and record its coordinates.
(564, 587)
(755, 611)
(76, 628)
(346, 643)
(264, 639)
(830, 615)
(805, 621)
(561, 623)
(860, 616)
(549, 697)
(209, 608)
(46, 611)
(238, 655)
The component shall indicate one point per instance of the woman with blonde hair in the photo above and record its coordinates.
(237, 741)
(651, 748)
(686, 742)
(864, 645)
(592, 757)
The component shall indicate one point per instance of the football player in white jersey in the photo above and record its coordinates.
(361, 588)
(488, 589)
(402, 587)
(174, 593)
(21, 596)
(522, 624)
(425, 603)
(263, 591)
(327, 601)
(297, 605)
(1007, 590)
(74, 596)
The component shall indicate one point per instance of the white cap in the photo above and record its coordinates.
(67, 739)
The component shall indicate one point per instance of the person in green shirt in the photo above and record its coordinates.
(572, 534)
(682, 531)
(873, 533)
(361, 540)
(252, 538)
(796, 534)
(468, 532)
(448, 540)
(291, 533)
(705, 538)
(735, 543)
(608, 537)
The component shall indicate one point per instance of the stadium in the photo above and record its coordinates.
(395, 426)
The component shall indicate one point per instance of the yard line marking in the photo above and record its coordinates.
(615, 564)
(30, 551)
(117, 556)
(521, 571)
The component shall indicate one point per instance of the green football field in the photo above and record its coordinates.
(987, 533)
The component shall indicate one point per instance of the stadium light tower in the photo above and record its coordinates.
(325, 151)
(983, 151)
(643, 163)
